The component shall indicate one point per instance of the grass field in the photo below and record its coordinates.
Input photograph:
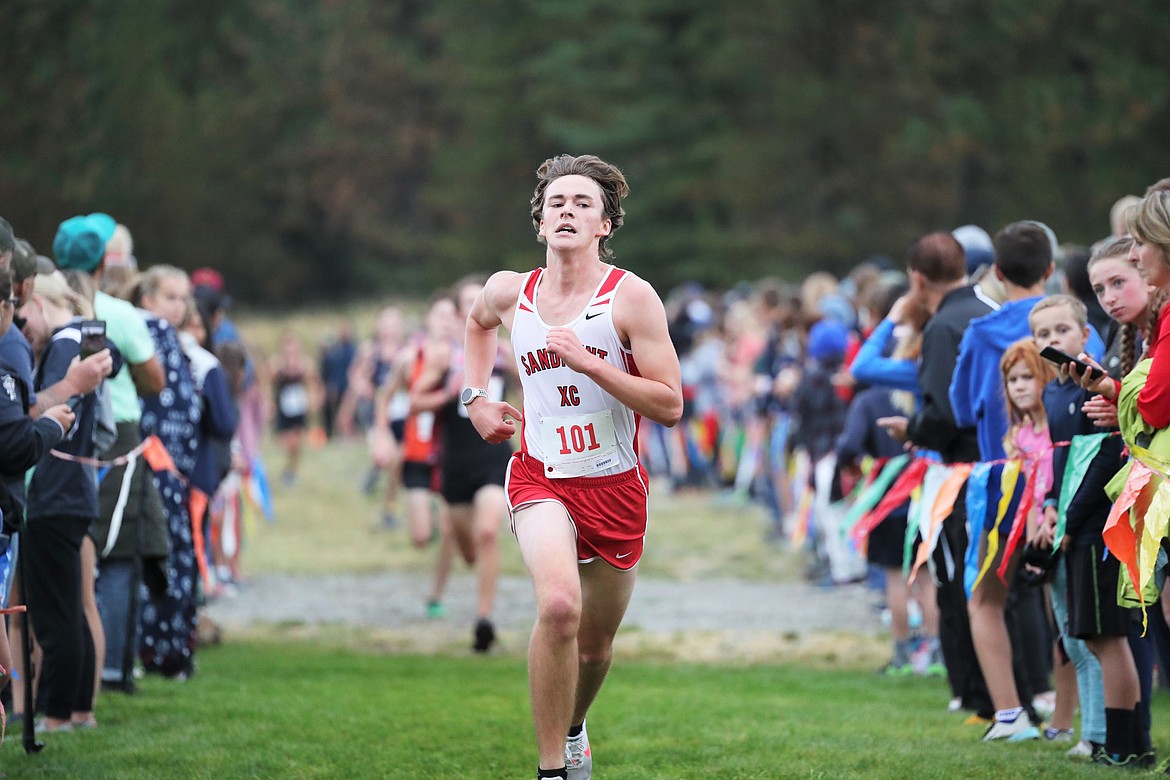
(305, 711)
(326, 525)
(335, 704)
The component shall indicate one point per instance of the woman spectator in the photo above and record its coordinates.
(62, 504)
(168, 623)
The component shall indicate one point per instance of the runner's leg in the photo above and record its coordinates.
(606, 593)
(549, 549)
(490, 507)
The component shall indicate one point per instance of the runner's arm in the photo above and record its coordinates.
(656, 392)
(493, 307)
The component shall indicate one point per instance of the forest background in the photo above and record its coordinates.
(327, 150)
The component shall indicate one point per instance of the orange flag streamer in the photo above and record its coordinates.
(157, 457)
(1119, 534)
(197, 507)
(948, 493)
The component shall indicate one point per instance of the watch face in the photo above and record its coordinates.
(468, 395)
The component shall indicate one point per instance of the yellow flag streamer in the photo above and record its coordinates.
(1007, 482)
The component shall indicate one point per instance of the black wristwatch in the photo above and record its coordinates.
(469, 394)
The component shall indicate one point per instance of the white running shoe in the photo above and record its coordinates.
(1081, 750)
(578, 756)
(1017, 730)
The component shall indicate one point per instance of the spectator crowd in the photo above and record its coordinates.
(977, 425)
(130, 425)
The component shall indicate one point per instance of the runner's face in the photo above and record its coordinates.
(573, 216)
(441, 319)
(1120, 289)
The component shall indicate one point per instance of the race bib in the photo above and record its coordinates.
(293, 400)
(578, 445)
(399, 406)
(424, 425)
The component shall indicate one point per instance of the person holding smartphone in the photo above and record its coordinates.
(62, 505)
(24, 440)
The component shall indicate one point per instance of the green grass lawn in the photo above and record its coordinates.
(306, 711)
(334, 703)
(325, 524)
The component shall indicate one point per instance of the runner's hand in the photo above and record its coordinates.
(490, 419)
(565, 344)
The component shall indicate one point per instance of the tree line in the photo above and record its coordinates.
(316, 150)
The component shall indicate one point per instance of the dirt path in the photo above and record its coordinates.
(707, 620)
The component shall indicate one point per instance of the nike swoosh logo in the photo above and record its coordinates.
(594, 314)
(619, 556)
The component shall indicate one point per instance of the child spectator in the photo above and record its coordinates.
(1023, 374)
(863, 436)
(1083, 591)
(820, 418)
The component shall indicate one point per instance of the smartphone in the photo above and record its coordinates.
(93, 337)
(1063, 359)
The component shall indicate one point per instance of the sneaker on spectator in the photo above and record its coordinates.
(1103, 757)
(894, 669)
(578, 756)
(1081, 750)
(1018, 729)
(902, 664)
(1058, 735)
(1044, 704)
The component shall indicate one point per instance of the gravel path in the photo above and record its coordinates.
(708, 619)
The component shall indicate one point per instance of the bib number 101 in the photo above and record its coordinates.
(578, 438)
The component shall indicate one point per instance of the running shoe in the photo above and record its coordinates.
(435, 610)
(1019, 729)
(1058, 735)
(370, 482)
(578, 756)
(893, 669)
(1081, 750)
(485, 635)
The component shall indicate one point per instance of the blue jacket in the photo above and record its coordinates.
(872, 367)
(976, 391)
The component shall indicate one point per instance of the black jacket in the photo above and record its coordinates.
(933, 424)
(23, 441)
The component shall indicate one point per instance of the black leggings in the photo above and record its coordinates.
(53, 596)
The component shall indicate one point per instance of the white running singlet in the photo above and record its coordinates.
(570, 424)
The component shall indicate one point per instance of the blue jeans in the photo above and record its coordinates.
(1090, 687)
(115, 578)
